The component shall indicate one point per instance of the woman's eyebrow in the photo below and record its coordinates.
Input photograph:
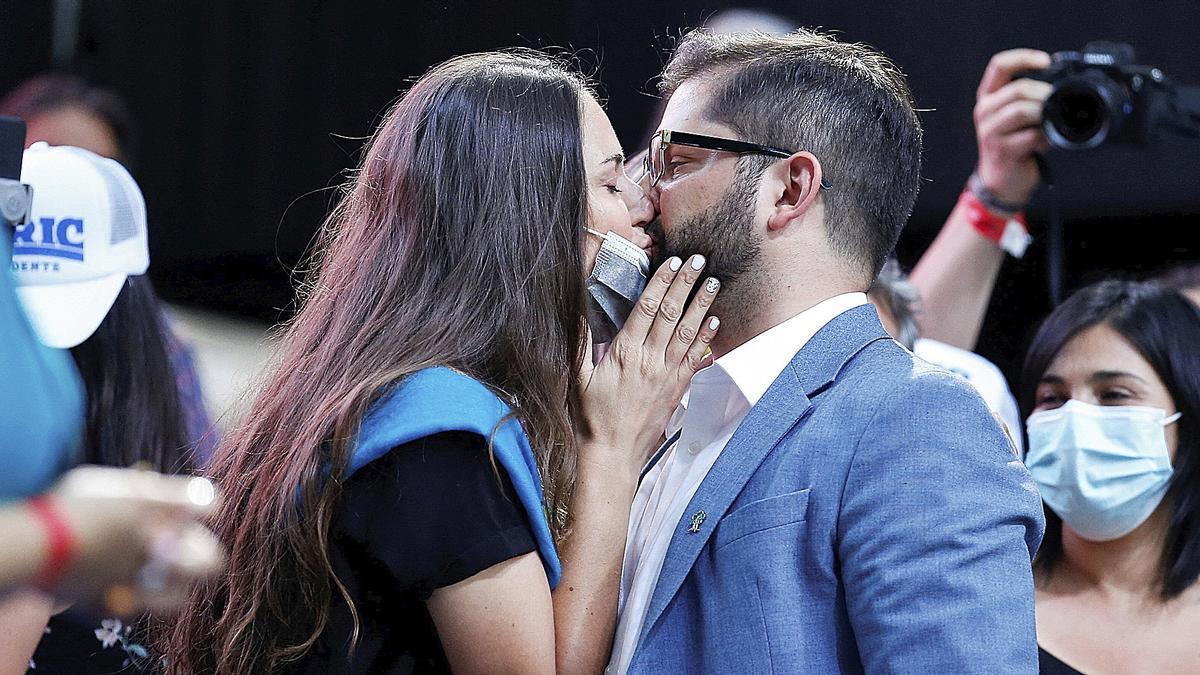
(619, 158)
(1104, 375)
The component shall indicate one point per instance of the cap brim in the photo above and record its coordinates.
(65, 315)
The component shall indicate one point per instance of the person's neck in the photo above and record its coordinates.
(754, 308)
(1124, 570)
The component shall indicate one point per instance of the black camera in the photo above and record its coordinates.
(1101, 96)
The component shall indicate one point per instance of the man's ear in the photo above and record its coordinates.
(802, 185)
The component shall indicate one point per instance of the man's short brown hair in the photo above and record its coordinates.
(845, 103)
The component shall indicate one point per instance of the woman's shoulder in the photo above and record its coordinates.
(432, 401)
(439, 393)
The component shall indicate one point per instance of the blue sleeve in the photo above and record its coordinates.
(41, 400)
(939, 523)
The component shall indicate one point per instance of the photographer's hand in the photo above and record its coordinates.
(1008, 119)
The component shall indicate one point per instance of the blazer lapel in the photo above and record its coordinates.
(786, 402)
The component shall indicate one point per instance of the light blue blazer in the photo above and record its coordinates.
(869, 515)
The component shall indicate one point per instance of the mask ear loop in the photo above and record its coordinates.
(1171, 420)
(602, 235)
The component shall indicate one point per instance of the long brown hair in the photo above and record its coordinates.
(458, 243)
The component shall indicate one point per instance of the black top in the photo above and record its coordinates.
(82, 642)
(1048, 664)
(427, 514)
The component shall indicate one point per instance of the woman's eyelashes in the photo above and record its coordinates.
(1116, 396)
(1048, 400)
(1110, 396)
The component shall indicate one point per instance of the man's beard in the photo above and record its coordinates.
(723, 234)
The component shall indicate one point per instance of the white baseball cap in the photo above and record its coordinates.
(86, 234)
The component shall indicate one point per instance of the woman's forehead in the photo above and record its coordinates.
(599, 139)
(1100, 348)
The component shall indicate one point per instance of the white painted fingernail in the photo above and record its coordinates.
(714, 323)
(698, 262)
(675, 264)
(712, 285)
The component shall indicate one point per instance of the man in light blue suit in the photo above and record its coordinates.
(826, 502)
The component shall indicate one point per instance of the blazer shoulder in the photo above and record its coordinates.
(895, 379)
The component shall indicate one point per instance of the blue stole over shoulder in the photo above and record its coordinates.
(439, 399)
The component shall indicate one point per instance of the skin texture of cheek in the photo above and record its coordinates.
(591, 243)
(724, 234)
(590, 250)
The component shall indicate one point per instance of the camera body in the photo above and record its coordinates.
(16, 199)
(1101, 96)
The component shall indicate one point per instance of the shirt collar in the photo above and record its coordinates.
(755, 364)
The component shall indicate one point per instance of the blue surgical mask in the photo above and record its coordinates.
(1102, 469)
(620, 275)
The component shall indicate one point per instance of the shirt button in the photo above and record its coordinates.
(693, 448)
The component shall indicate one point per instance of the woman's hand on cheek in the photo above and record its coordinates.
(629, 395)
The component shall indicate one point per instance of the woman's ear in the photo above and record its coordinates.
(801, 187)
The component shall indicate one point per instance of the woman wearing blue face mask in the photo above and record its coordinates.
(1113, 383)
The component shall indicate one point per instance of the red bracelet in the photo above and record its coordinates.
(1010, 233)
(61, 547)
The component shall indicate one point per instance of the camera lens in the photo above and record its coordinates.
(1084, 110)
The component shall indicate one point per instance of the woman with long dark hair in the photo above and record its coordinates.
(1113, 382)
(433, 438)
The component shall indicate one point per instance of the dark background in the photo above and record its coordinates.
(248, 112)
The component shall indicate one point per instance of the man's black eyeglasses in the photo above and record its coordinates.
(656, 156)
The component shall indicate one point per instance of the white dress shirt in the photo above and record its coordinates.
(719, 398)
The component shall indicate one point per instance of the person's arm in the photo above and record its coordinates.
(109, 522)
(628, 399)
(957, 274)
(499, 620)
(25, 546)
(938, 526)
(585, 602)
(23, 617)
(436, 518)
(570, 631)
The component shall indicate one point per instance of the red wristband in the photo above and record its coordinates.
(1008, 232)
(61, 545)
